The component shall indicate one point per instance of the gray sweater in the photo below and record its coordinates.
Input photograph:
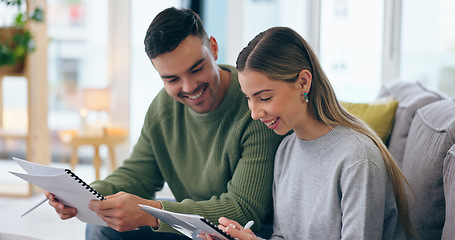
(334, 187)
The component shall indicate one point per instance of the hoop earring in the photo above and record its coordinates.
(305, 96)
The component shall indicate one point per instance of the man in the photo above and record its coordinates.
(197, 136)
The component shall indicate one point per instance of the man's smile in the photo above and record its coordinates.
(197, 94)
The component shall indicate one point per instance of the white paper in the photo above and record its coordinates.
(190, 225)
(66, 189)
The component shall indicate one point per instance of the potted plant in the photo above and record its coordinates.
(15, 40)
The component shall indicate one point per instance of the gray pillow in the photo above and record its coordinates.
(411, 96)
(449, 194)
(431, 134)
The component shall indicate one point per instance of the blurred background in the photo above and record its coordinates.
(83, 93)
(98, 46)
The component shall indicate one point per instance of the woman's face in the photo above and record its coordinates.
(278, 104)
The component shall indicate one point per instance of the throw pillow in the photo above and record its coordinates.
(379, 115)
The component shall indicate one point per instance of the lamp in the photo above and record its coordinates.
(97, 99)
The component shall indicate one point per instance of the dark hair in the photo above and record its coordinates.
(169, 28)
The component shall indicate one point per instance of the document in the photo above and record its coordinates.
(190, 225)
(67, 187)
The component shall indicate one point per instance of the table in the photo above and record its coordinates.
(110, 138)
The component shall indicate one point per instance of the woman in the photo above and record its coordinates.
(334, 178)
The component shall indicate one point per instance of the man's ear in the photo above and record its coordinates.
(304, 81)
(213, 47)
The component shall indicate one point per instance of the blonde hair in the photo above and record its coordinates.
(281, 53)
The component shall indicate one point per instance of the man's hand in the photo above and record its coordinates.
(63, 211)
(120, 211)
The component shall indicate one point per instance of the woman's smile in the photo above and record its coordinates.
(272, 124)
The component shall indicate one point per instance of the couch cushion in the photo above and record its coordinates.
(431, 134)
(411, 96)
(379, 115)
(449, 194)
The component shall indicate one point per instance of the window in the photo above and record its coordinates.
(351, 47)
(235, 23)
(428, 44)
(77, 59)
(346, 35)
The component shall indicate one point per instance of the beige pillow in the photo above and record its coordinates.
(379, 115)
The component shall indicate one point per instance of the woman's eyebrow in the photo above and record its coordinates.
(259, 92)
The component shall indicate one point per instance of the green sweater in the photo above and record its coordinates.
(216, 164)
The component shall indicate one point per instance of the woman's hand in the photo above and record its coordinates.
(232, 228)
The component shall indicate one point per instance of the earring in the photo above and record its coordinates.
(305, 96)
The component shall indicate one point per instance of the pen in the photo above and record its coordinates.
(37, 205)
(248, 224)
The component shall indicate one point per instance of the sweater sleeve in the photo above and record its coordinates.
(249, 191)
(363, 201)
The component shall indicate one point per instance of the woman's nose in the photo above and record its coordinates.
(256, 111)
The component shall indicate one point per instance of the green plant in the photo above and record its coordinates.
(16, 41)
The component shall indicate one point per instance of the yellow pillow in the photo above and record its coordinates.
(379, 115)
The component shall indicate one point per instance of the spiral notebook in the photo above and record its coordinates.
(190, 225)
(67, 187)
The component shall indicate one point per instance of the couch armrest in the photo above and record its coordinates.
(449, 194)
(411, 97)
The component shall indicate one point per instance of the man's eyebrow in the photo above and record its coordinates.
(196, 64)
(168, 76)
(189, 69)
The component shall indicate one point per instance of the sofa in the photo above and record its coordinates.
(422, 140)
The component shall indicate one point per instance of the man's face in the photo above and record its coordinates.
(190, 74)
